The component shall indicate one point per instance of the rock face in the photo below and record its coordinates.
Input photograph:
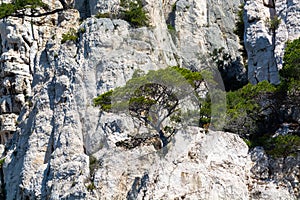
(284, 170)
(269, 25)
(64, 148)
(200, 170)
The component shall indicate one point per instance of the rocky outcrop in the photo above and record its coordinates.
(268, 26)
(15, 76)
(285, 171)
(64, 148)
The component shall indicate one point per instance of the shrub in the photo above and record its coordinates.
(102, 15)
(9, 9)
(134, 13)
(290, 73)
(174, 7)
(71, 35)
(273, 23)
(93, 165)
(291, 65)
(82, 30)
(170, 27)
(2, 161)
(244, 109)
(6, 10)
(280, 146)
(90, 187)
(283, 146)
(240, 29)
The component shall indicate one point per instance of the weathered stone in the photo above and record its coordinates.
(264, 44)
(50, 156)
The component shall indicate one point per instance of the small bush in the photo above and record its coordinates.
(291, 65)
(71, 35)
(82, 30)
(91, 187)
(2, 161)
(273, 23)
(240, 30)
(134, 13)
(171, 28)
(280, 146)
(283, 146)
(93, 164)
(244, 108)
(102, 15)
(6, 10)
(290, 73)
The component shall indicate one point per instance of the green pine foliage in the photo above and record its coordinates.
(280, 146)
(71, 35)
(273, 23)
(9, 9)
(240, 29)
(244, 108)
(134, 13)
(291, 66)
(104, 101)
(103, 15)
(140, 93)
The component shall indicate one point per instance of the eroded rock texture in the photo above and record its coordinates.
(62, 147)
(269, 25)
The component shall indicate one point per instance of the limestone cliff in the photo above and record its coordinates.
(57, 145)
(269, 25)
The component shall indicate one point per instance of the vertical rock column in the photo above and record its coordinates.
(260, 41)
(269, 25)
(15, 77)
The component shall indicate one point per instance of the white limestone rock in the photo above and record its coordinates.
(265, 47)
(60, 129)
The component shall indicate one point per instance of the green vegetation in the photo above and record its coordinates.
(153, 103)
(90, 187)
(71, 35)
(81, 30)
(134, 13)
(274, 23)
(18, 6)
(290, 73)
(2, 161)
(93, 165)
(283, 146)
(171, 28)
(240, 29)
(7, 10)
(244, 109)
(291, 68)
(254, 107)
(174, 7)
(240, 26)
(280, 146)
(102, 15)
(246, 116)
(104, 101)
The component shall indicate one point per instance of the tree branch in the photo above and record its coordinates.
(20, 15)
